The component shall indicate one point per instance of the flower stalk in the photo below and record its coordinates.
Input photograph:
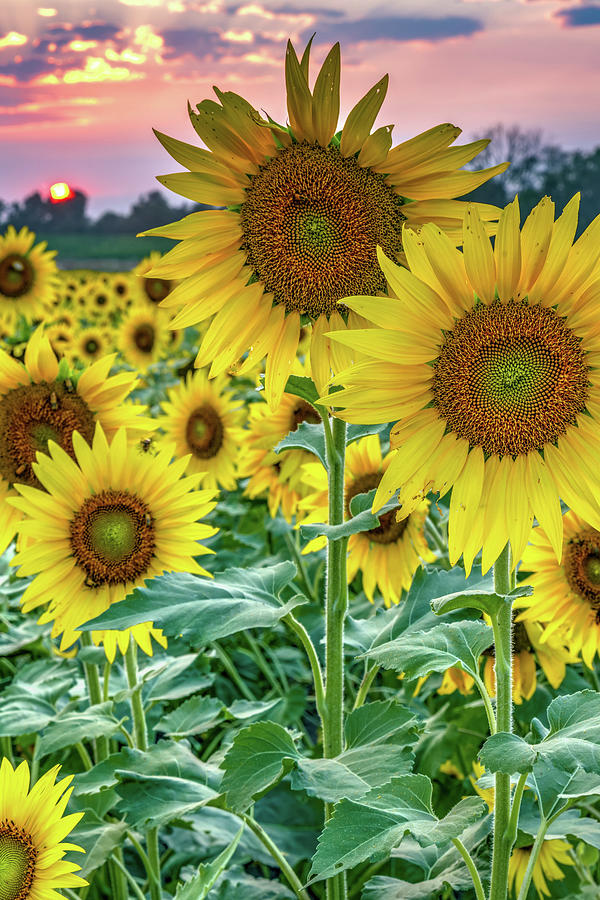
(336, 605)
(502, 625)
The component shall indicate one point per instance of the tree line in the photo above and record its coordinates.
(536, 168)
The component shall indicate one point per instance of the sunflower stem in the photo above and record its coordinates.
(365, 685)
(304, 638)
(290, 876)
(468, 860)
(336, 604)
(92, 678)
(535, 852)
(140, 734)
(502, 625)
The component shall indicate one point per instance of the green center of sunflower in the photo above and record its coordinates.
(312, 220)
(389, 529)
(157, 289)
(144, 336)
(112, 534)
(91, 346)
(581, 564)
(204, 432)
(113, 538)
(510, 378)
(16, 275)
(101, 300)
(17, 862)
(33, 414)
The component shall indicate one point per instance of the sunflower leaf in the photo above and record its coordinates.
(376, 825)
(364, 521)
(487, 601)
(73, 727)
(199, 886)
(159, 798)
(202, 610)
(194, 716)
(302, 386)
(445, 645)
(571, 745)
(307, 436)
(255, 762)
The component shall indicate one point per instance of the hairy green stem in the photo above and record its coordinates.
(140, 733)
(290, 876)
(365, 685)
(502, 625)
(136, 888)
(468, 859)
(95, 694)
(535, 852)
(513, 822)
(487, 702)
(304, 638)
(336, 604)
(6, 748)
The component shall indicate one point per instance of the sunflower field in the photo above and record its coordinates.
(300, 531)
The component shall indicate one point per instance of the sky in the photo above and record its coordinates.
(83, 84)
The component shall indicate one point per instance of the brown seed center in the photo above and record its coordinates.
(113, 538)
(581, 563)
(33, 414)
(144, 337)
(389, 529)
(17, 862)
(157, 288)
(510, 378)
(16, 275)
(312, 220)
(204, 432)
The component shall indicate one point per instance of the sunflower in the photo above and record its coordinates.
(389, 555)
(37, 406)
(143, 337)
(566, 596)
(111, 519)
(90, 345)
(27, 275)
(201, 418)
(553, 656)
(100, 300)
(151, 291)
(32, 832)
(486, 793)
(61, 339)
(489, 359)
(553, 854)
(278, 476)
(306, 209)
(121, 288)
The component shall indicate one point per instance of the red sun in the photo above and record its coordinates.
(60, 191)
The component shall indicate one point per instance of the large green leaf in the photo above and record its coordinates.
(72, 727)
(378, 739)
(255, 762)
(440, 870)
(24, 715)
(194, 716)
(572, 743)
(98, 839)
(415, 612)
(445, 645)
(157, 799)
(202, 609)
(358, 831)
(236, 884)
(175, 677)
(169, 758)
(302, 386)
(199, 886)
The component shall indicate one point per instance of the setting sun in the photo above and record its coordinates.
(60, 191)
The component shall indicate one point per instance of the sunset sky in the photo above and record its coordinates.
(82, 84)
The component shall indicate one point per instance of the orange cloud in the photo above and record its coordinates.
(13, 39)
(82, 46)
(241, 37)
(97, 69)
(47, 11)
